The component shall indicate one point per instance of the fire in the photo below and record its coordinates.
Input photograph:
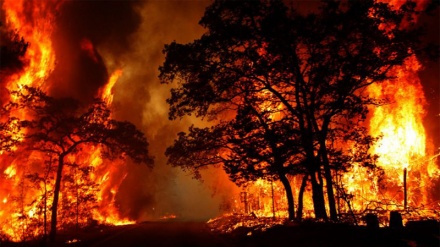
(17, 212)
(10, 171)
(400, 122)
(407, 161)
(402, 147)
(26, 192)
(40, 55)
(107, 90)
(168, 217)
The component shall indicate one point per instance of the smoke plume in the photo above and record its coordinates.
(94, 38)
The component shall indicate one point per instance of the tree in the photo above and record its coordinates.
(79, 194)
(61, 127)
(12, 51)
(43, 177)
(317, 66)
(252, 146)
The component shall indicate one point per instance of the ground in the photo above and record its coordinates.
(198, 234)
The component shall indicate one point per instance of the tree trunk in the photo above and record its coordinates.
(53, 223)
(318, 197)
(45, 209)
(301, 196)
(329, 183)
(330, 193)
(289, 195)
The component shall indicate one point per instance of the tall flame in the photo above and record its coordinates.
(407, 161)
(26, 197)
(35, 23)
(400, 122)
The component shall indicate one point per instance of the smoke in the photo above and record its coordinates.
(430, 77)
(94, 38)
(81, 27)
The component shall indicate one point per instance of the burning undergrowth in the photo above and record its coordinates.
(238, 223)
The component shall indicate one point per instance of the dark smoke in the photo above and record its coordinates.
(78, 74)
(430, 77)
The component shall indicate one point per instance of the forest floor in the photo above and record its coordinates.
(225, 232)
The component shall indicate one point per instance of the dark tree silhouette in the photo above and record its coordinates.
(61, 127)
(315, 66)
(249, 147)
(12, 49)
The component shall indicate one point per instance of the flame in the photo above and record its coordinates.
(26, 197)
(107, 90)
(35, 25)
(40, 54)
(400, 122)
(10, 171)
(407, 162)
(168, 217)
(401, 148)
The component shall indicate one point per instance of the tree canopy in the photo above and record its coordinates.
(314, 69)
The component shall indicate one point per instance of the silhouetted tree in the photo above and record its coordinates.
(316, 66)
(41, 181)
(60, 127)
(12, 50)
(79, 194)
(252, 146)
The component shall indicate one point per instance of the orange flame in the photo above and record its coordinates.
(37, 32)
(107, 90)
(402, 146)
(26, 197)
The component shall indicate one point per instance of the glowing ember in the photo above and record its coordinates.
(169, 216)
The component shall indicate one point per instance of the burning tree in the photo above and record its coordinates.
(314, 69)
(63, 129)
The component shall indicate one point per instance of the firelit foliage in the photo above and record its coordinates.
(283, 87)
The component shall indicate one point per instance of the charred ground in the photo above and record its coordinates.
(308, 233)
